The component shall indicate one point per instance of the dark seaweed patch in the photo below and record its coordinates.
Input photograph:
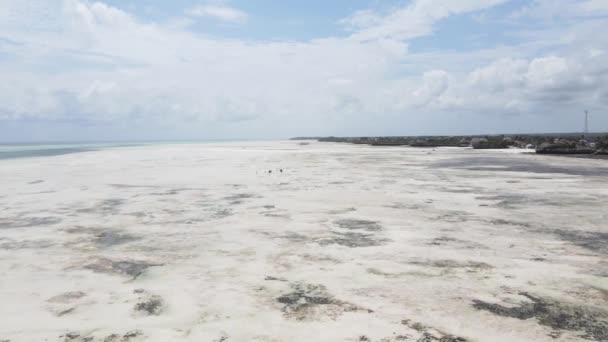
(460, 190)
(514, 201)
(348, 238)
(308, 301)
(239, 198)
(429, 334)
(130, 268)
(594, 241)
(364, 338)
(351, 239)
(174, 191)
(341, 182)
(295, 237)
(446, 263)
(66, 311)
(283, 216)
(404, 206)
(108, 206)
(124, 338)
(342, 211)
(71, 336)
(427, 337)
(26, 244)
(27, 222)
(506, 201)
(221, 213)
(112, 238)
(138, 214)
(131, 186)
(353, 224)
(444, 240)
(67, 297)
(317, 257)
(65, 303)
(152, 306)
(454, 216)
(591, 322)
(519, 164)
(502, 222)
(212, 214)
(378, 272)
(166, 193)
(270, 278)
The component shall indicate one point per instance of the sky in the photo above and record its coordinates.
(83, 70)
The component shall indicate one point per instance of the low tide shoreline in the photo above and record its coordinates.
(555, 143)
(201, 242)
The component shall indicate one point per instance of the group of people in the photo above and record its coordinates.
(270, 171)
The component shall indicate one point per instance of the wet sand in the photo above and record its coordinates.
(348, 243)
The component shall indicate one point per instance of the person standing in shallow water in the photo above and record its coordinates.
(270, 171)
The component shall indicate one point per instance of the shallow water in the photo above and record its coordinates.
(199, 242)
(13, 151)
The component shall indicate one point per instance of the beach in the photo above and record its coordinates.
(303, 241)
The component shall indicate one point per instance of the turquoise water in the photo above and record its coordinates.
(12, 151)
(30, 150)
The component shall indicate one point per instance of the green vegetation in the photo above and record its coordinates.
(493, 142)
(602, 142)
(566, 143)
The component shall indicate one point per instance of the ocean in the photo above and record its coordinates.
(29, 150)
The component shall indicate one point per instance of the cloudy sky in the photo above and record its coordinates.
(253, 69)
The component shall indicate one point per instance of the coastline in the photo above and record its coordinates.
(196, 242)
(548, 143)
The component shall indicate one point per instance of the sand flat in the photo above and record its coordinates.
(349, 243)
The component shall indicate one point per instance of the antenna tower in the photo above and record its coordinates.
(586, 122)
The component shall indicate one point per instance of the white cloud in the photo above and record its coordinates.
(434, 84)
(551, 9)
(221, 12)
(82, 60)
(412, 21)
(595, 6)
(362, 18)
(552, 84)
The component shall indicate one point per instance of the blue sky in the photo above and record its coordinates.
(256, 69)
(266, 19)
(306, 20)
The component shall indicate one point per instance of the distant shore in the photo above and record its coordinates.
(583, 156)
(590, 144)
